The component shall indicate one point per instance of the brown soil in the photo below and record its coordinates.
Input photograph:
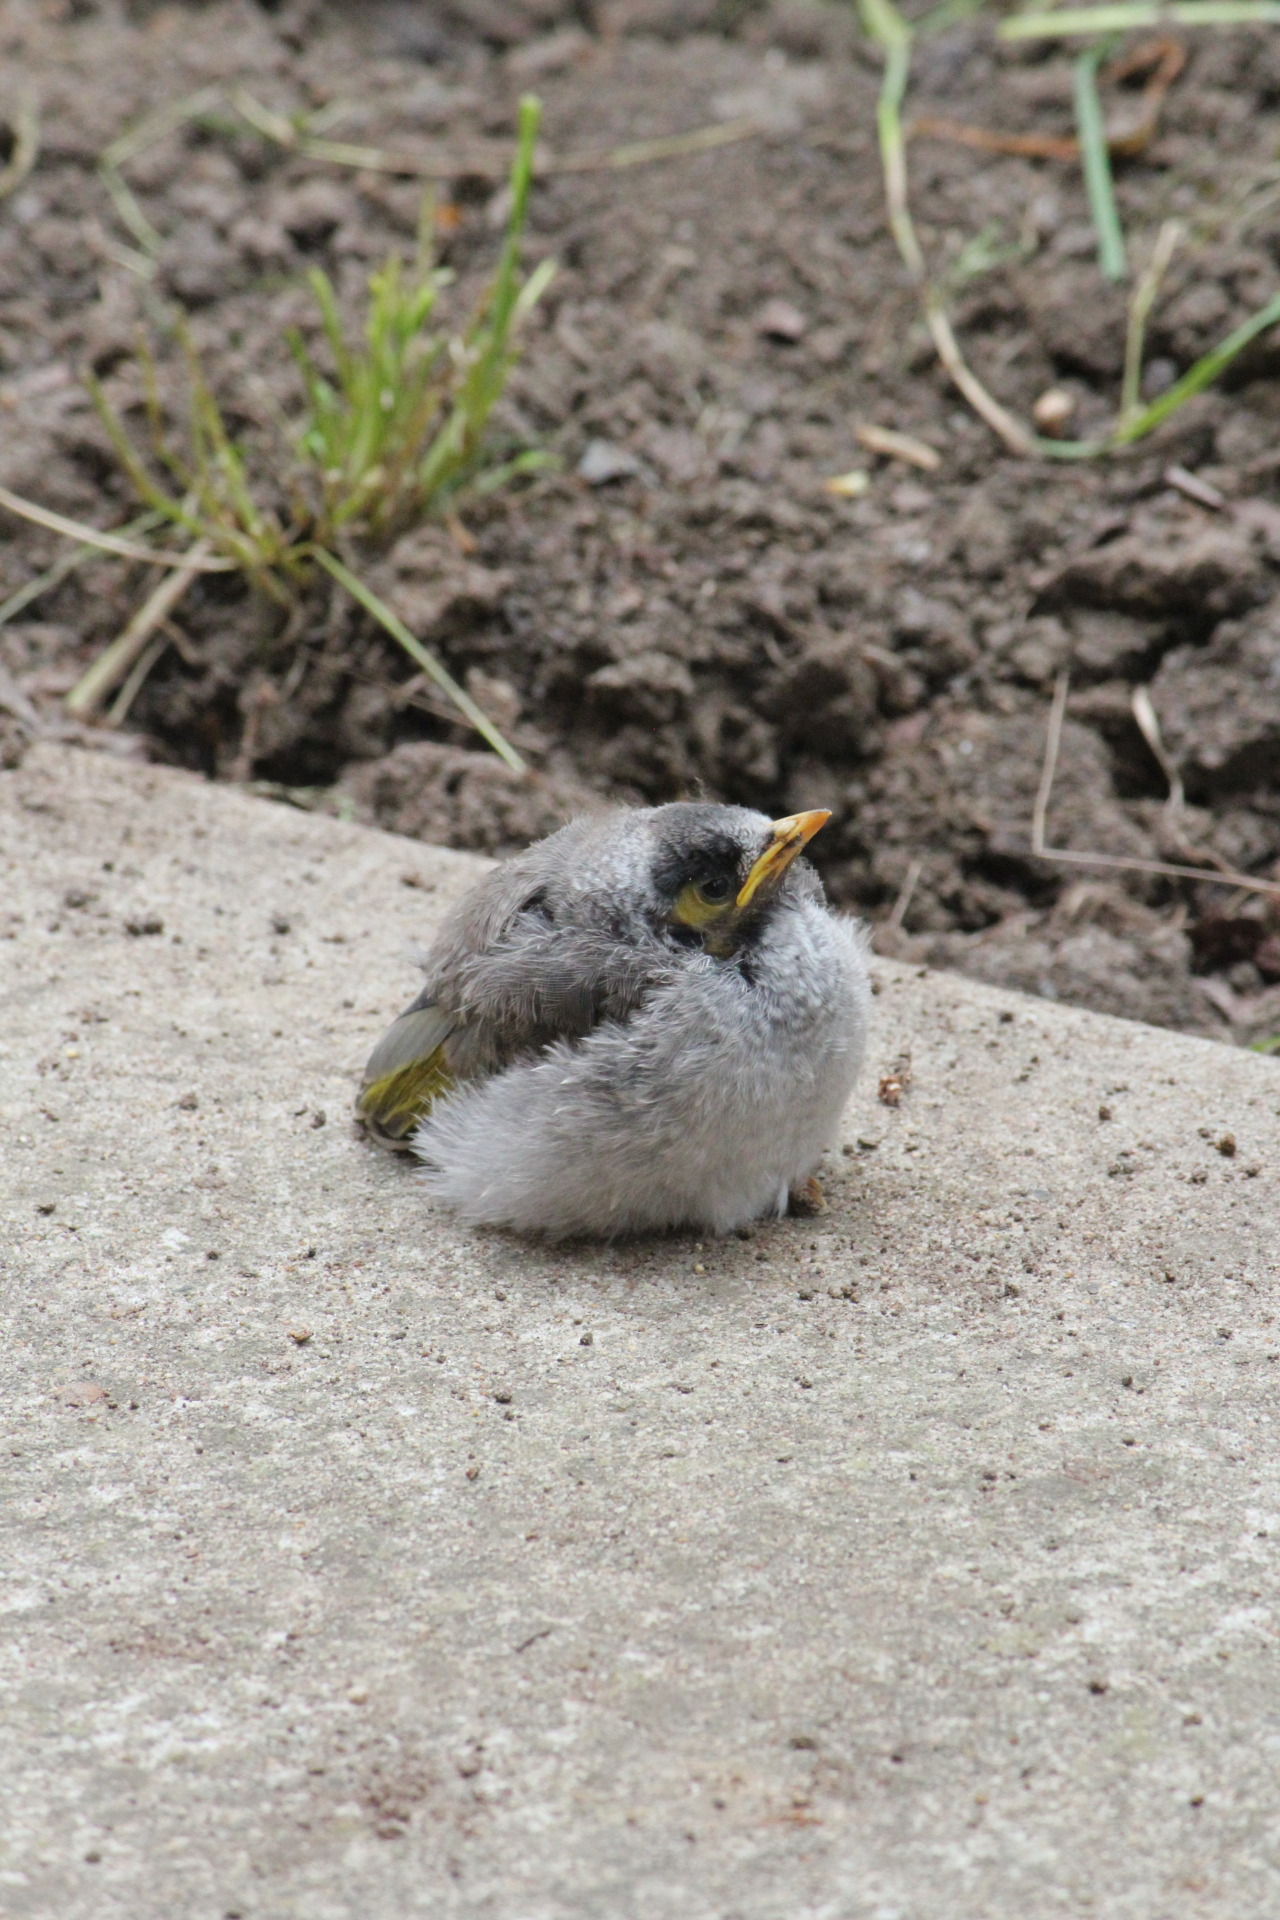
(709, 617)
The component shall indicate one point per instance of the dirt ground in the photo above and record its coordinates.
(684, 606)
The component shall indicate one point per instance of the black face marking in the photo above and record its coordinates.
(713, 861)
(701, 859)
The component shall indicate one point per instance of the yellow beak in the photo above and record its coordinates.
(790, 836)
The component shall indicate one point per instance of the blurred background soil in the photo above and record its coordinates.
(684, 607)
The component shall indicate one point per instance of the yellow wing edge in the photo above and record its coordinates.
(394, 1105)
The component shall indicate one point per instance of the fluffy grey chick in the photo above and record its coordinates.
(648, 1019)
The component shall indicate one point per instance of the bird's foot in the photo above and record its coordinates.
(807, 1198)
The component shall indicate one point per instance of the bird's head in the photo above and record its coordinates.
(717, 871)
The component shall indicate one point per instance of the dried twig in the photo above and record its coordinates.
(899, 446)
(1149, 727)
(905, 894)
(893, 35)
(1192, 487)
(1053, 741)
(136, 680)
(65, 564)
(642, 152)
(107, 542)
(26, 147)
(1198, 377)
(1002, 423)
(1144, 296)
(135, 140)
(115, 662)
(387, 618)
(13, 700)
(153, 126)
(483, 163)
(1020, 146)
(1127, 133)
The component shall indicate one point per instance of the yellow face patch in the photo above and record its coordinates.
(693, 909)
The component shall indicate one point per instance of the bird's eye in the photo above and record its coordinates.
(702, 901)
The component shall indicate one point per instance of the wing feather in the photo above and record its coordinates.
(406, 1074)
(516, 966)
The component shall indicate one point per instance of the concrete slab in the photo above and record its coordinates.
(916, 1561)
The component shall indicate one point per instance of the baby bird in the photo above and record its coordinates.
(649, 1019)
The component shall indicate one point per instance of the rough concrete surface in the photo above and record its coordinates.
(914, 1562)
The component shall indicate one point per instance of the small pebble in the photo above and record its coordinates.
(779, 320)
(603, 462)
(1053, 411)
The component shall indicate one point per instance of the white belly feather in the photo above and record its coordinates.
(703, 1109)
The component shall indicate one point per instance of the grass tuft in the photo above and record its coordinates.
(394, 429)
(397, 431)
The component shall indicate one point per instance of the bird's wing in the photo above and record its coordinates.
(541, 984)
(406, 1073)
(505, 978)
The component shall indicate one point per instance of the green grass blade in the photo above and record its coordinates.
(155, 420)
(886, 26)
(487, 375)
(532, 290)
(154, 126)
(1144, 298)
(325, 298)
(427, 660)
(532, 460)
(144, 486)
(225, 491)
(449, 460)
(130, 212)
(1197, 378)
(506, 284)
(1096, 161)
(949, 13)
(1126, 18)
